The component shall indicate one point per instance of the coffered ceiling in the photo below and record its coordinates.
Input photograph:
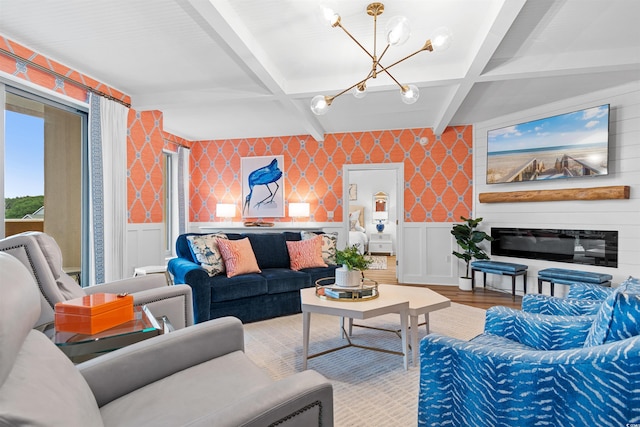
(245, 68)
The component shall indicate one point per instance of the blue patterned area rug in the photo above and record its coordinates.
(370, 388)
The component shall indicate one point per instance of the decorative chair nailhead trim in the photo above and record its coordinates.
(300, 411)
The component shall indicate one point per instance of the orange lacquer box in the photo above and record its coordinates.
(93, 313)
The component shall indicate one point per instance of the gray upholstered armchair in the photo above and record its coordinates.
(40, 253)
(196, 376)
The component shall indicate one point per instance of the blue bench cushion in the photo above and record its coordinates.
(498, 267)
(560, 275)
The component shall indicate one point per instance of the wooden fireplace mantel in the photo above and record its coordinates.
(592, 193)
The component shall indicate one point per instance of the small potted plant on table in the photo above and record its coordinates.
(350, 275)
(468, 238)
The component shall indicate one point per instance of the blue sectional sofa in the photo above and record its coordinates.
(250, 297)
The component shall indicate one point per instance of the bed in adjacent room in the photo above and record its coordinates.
(357, 235)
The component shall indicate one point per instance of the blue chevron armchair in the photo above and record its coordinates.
(531, 369)
(583, 298)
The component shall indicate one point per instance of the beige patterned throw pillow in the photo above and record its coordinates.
(206, 252)
(329, 244)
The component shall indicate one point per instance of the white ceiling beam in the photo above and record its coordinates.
(505, 18)
(553, 65)
(227, 29)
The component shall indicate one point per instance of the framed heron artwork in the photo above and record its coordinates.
(262, 186)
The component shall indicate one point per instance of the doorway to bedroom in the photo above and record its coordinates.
(363, 185)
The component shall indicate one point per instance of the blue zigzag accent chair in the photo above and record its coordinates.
(531, 369)
(590, 291)
(582, 298)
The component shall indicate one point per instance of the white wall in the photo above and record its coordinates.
(620, 215)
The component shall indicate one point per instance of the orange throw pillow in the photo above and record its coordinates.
(306, 253)
(238, 256)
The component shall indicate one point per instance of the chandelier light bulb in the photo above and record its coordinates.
(410, 94)
(398, 30)
(319, 105)
(441, 39)
(360, 91)
(330, 16)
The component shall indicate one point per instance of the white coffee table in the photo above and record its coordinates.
(422, 301)
(386, 303)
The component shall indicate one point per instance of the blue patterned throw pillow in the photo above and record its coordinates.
(619, 315)
(205, 250)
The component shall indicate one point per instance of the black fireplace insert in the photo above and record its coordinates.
(590, 247)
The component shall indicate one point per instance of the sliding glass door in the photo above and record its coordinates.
(43, 169)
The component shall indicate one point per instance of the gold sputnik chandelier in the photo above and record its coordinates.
(397, 32)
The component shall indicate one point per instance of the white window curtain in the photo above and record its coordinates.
(183, 189)
(108, 190)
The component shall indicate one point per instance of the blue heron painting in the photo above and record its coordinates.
(264, 196)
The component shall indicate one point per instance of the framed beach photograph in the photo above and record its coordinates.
(569, 145)
(262, 186)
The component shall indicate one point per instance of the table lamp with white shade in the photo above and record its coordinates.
(298, 210)
(226, 211)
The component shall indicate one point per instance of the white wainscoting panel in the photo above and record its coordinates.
(427, 257)
(144, 245)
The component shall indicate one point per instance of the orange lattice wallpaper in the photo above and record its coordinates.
(438, 175)
(145, 139)
(144, 173)
(22, 70)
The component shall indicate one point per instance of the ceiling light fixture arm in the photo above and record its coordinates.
(383, 52)
(375, 9)
(427, 46)
(350, 87)
(338, 24)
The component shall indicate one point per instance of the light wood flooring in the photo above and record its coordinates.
(479, 297)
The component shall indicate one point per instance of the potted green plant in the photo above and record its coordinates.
(353, 263)
(468, 238)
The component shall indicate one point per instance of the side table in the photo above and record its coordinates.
(380, 243)
(82, 347)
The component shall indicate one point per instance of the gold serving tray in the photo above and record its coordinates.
(327, 290)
